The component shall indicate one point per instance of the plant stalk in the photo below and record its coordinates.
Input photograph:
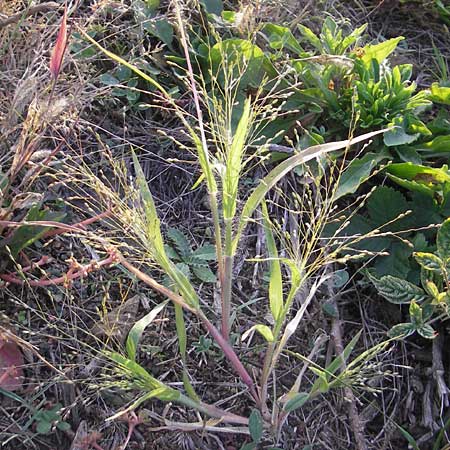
(213, 331)
(227, 284)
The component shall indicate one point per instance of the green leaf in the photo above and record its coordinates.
(108, 79)
(440, 94)
(380, 51)
(276, 280)
(411, 441)
(396, 290)
(234, 163)
(245, 60)
(401, 330)
(357, 172)
(204, 273)
(213, 6)
(399, 135)
(281, 37)
(426, 180)
(263, 330)
(205, 253)
(63, 426)
(180, 241)
(255, 425)
(43, 427)
(427, 331)
(443, 240)
(161, 29)
(330, 309)
(429, 261)
(26, 235)
(138, 329)
(415, 312)
(297, 401)
(276, 174)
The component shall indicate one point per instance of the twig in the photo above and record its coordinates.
(336, 333)
(438, 370)
(43, 7)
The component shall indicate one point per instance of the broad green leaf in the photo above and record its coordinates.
(204, 273)
(310, 36)
(439, 146)
(357, 172)
(180, 241)
(138, 329)
(414, 177)
(427, 331)
(161, 29)
(152, 5)
(213, 6)
(26, 235)
(276, 280)
(234, 163)
(440, 94)
(415, 312)
(281, 37)
(399, 135)
(276, 174)
(380, 51)
(263, 330)
(245, 60)
(108, 79)
(401, 330)
(297, 401)
(397, 290)
(429, 261)
(255, 425)
(205, 253)
(443, 240)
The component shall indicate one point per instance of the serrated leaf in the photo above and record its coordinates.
(180, 241)
(429, 261)
(205, 253)
(396, 290)
(297, 401)
(204, 273)
(255, 425)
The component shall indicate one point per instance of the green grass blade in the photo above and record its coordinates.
(234, 163)
(182, 343)
(276, 281)
(136, 332)
(154, 233)
(273, 177)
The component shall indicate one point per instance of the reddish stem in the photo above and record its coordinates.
(68, 277)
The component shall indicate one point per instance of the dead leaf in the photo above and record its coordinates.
(117, 323)
(11, 365)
